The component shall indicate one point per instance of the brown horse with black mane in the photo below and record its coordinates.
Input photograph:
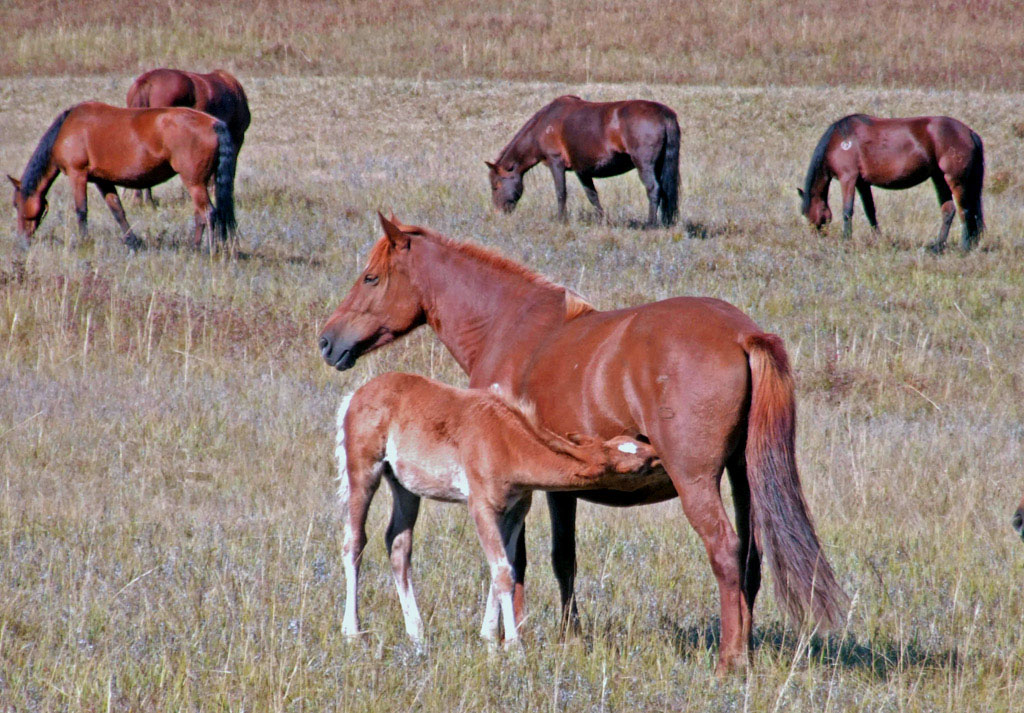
(694, 377)
(218, 93)
(595, 140)
(863, 151)
(137, 148)
(1018, 520)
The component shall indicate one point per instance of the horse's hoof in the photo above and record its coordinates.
(936, 248)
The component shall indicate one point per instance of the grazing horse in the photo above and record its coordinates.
(694, 377)
(596, 140)
(430, 440)
(218, 93)
(1018, 520)
(137, 148)
(863, 151)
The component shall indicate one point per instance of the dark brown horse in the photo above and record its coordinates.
(1018, 520)
(863, 151)
(137, 148)
(218, 93)
(595, 140)
(694, 377)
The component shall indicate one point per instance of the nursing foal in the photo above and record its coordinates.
(430, 440)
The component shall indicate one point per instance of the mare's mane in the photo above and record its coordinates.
(40, 159)
(380, 262)
(528, 127)
(817, 165)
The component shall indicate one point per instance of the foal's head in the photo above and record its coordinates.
(30, 209)
(382, 305)
(621, 454)
(506, 186)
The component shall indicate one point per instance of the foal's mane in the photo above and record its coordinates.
(817, 165)
(381, 253)
(40, 159)
(526, 411)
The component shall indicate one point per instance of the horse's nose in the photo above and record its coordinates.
(1018, 522)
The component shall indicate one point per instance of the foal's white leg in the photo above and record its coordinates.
(499, 598)
(405, 507)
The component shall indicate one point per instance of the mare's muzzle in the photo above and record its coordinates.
(339, 353)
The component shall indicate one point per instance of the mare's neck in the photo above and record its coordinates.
(523, 152)
(488, 317)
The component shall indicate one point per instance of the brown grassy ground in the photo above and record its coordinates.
(926, 43)
(167, 533)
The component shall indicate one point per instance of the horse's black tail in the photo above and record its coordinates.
(668, 178)
(224, 188)
(974, 220)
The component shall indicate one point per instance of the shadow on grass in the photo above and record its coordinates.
(880, 657)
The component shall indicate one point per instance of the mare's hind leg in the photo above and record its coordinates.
(868, 201)
(948, 208)
(562, 509)
(203, 215)
(587, 181)
(650, 181)
(109, 193)
(749, 554)
(363, 482)
(405, 508)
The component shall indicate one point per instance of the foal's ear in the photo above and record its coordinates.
(800, 192)
(395, 236)
(14, 181)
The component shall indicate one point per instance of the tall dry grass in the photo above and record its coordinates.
(167, 533)
(925, 43)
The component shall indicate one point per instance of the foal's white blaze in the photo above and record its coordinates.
(628, 448)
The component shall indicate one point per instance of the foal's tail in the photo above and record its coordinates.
(668, 176)
(804, 581)
(341, 454)
(974, 220)
(224, 188)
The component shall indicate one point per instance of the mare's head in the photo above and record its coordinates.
(1018, 520)
(815, 209)
(30, 209)
(506, 185)
(382, 305)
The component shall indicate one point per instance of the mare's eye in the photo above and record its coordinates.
(371, 279)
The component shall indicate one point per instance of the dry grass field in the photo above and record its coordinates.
(168, 537)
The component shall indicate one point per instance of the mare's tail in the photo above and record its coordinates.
(974, 219)
(138, 93)
(804, 581)
(224, 188)
(668, 175)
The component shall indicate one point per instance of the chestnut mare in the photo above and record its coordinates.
(1018, 520)
(430, 440)
(218, 93)
(137, 148)
(595, 140)
(694, 377)
(863, 151)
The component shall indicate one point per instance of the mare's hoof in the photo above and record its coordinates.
(936, 248)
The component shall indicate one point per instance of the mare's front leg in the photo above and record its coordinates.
(868, 201)
(109, 193)
(513, 534)
(79, 181)
(849, 187)
(562, 508)
(587, 181)
(405, 508)
(558, 174)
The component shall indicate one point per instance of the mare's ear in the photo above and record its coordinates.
(492, 166)
(395, 236)
(14, 181)
(800, 192)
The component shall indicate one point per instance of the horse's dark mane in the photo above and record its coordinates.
(817, 165)
(527, 127)
(40, 160)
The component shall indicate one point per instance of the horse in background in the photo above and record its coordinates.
(111, 146)
(594, 140)
(863, 151)
(1018, 520)
(430, 440)
(694, 377)
(218, 94)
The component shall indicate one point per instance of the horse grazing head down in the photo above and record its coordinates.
(382, 305)
(815, 209)
(30, 209)
(1018, 520)
(506, 186)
